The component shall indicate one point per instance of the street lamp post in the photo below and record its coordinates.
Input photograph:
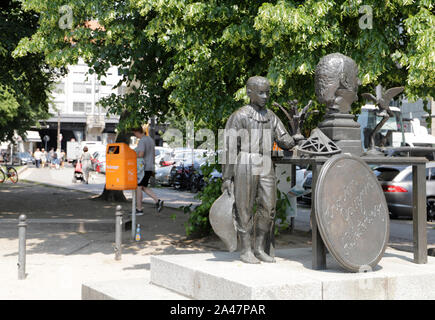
(58, 130)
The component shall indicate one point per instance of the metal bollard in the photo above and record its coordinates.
(118, 233)
(22, 226)
(133, 214)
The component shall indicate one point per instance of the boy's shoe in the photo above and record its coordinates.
(159, 205)
(139, 212)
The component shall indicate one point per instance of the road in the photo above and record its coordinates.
(400, 229)
(63, 178)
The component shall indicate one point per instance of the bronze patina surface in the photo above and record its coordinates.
(351, 213)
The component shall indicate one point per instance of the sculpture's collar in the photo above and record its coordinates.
(258, 114)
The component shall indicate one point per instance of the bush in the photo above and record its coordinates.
(198, 224)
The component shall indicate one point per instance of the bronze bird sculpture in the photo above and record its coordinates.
(382, 101)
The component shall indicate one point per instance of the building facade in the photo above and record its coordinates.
(75, 108)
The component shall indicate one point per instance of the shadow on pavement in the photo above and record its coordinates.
(59, 220)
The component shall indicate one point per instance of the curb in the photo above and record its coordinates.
(56, 186)
(22, 170)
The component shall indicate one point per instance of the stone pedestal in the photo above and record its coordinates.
(221, 275)
(344, 131)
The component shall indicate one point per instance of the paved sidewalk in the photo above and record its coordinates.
(63, 178)
(61, 256)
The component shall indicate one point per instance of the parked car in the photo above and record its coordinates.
(396, 182)
(163, 175)
(99, 162)
(306, 184)
(167, 160)
(161, 155)
(22, 158)
(175, 157)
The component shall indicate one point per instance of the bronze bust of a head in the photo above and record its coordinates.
(336, 82)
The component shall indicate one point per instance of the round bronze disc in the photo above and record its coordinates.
(351, 212)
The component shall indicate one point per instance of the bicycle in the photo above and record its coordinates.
(10, 173)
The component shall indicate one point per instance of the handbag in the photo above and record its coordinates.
(140, 169)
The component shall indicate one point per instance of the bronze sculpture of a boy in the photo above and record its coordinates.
(253, 129)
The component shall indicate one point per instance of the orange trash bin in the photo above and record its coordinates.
(121, 168)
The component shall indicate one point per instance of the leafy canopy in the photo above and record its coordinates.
(192, 58)
(24, 81)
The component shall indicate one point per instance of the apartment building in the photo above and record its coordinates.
(75, 108)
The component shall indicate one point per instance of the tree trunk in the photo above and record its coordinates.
(112, 196)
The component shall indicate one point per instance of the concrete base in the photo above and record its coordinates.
(220, 275)
(132, 289)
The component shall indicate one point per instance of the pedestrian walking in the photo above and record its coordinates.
(43, 157)
(37, 155)
(51, 158)
(86, 161)
(57, 159)
(62, 158)
(145, 152)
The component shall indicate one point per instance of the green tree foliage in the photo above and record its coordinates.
(23, 81)
(194, 57)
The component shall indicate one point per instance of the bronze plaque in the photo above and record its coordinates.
(351, 212)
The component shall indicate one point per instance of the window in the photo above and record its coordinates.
(78, 106)
(79, 87)
(82, 107)
(88, 107)
(386, 174)
(408, 177)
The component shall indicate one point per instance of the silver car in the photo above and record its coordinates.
(163, 175)
(396, 182)
(162, 154)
